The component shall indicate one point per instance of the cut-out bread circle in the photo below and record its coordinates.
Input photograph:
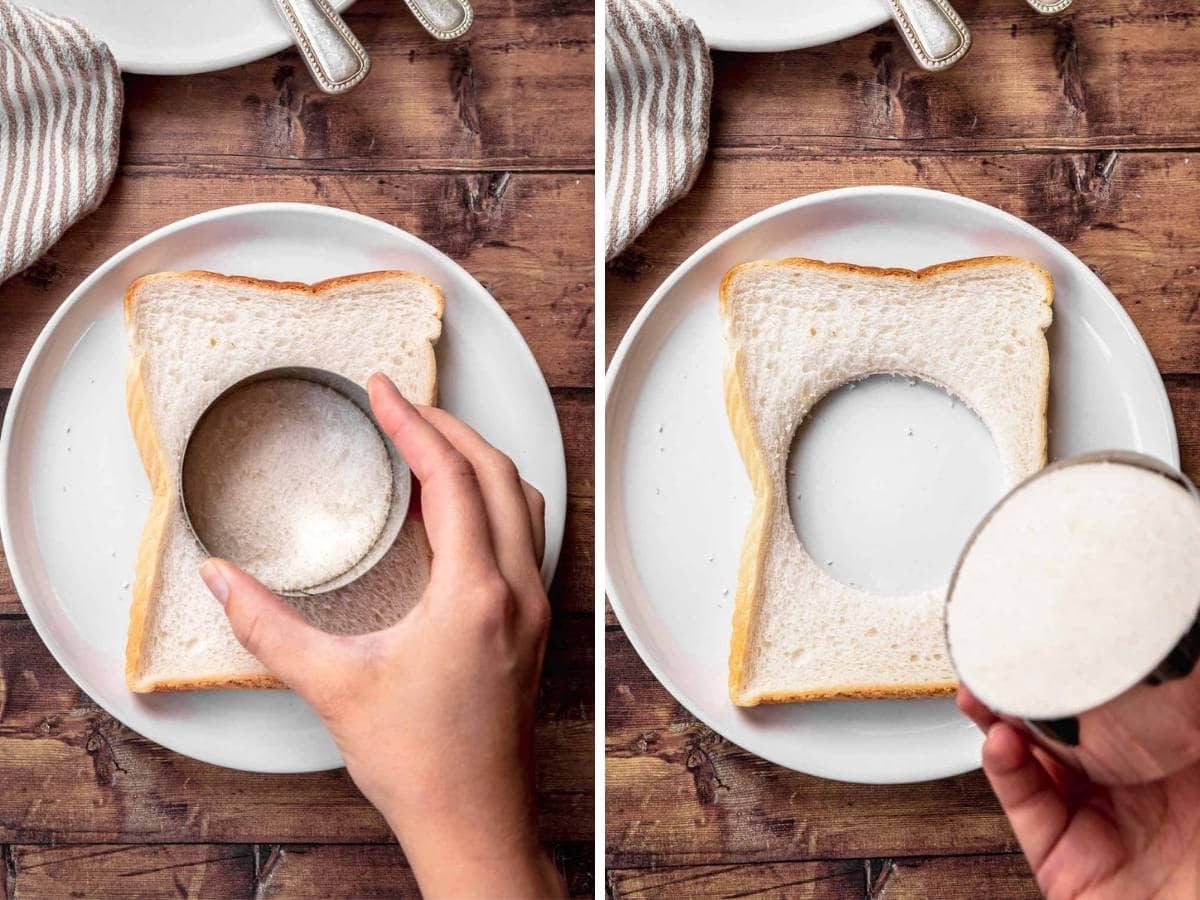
(1081, 583)
(797, 329)
(287, 475)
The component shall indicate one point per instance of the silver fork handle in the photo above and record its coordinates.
(444, 19)
(1048, 7)
(333, 54)
(935, 34)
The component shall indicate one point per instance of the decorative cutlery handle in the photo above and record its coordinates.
(935, 34)
(444, 19)
(334, 56)
(1047, 7)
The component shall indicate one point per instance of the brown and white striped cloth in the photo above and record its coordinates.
(60, 122)
(658, 82)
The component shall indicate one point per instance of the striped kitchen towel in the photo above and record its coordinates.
(60, 121)
(658, 81)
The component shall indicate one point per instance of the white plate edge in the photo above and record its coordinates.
(613, 371)
(142, 66)
(549, 563)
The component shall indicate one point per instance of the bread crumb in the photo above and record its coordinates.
(909, 431)
(710, 557)
(125, 586)
(725, 592)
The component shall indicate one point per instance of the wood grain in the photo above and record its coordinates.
(952, 878)
(72, 774)
(134, 873)
(262, 871)
(770, 881)
(678, 793)
(1110, 73)
(527, 238)
(515, 93)
(1127, 215)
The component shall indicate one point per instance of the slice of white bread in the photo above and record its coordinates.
(795, 329)
(191, 335)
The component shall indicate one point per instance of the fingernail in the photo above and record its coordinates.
(215, 581)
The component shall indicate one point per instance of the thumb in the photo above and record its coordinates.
(1037, 812)
(274, 633)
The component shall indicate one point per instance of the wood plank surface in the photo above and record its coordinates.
(678, 793)
(1129, 216)
(516, 92)
(527, 238)
(952, 878)
(262, 871)
(770, 881)
(72, 774)
(1111, 73)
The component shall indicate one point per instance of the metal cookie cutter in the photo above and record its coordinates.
(1152, 728)
(401, 485)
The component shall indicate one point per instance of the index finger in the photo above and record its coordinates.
(451, 502)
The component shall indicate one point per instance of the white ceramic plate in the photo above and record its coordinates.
(768, 25)
(181, 37)
(71, 519)
(678, 498)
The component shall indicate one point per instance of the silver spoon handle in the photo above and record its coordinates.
(935, 34)
(334, 56)
(1048, 7)
(444, 19)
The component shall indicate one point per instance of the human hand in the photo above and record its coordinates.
(434, 716)
(1085, 841)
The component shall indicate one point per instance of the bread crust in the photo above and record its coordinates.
(749, 590)
(163, 491)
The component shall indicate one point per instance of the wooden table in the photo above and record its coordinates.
(1085, 125)
(482, 147)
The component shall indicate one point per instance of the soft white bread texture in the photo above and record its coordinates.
(296, 525)
(193, 334)
(795, 329)
(1077, 586)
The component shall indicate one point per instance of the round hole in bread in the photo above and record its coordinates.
(886, 478)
